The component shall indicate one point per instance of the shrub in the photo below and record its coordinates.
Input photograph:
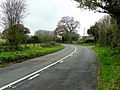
(9, 48)
(52, 43)
(45, 45)
(2, 41)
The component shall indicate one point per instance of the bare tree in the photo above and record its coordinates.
(67, 29)
(60, 30)
(13, 13)
(70, 24)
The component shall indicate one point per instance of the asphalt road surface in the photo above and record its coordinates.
(73, 68)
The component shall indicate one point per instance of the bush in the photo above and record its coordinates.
(45, 45)
(9, 48)
(2, 41)
(52, 43)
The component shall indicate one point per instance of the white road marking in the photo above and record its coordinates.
(14, 87)
(28, 76)
(61, 61)
(33, 77)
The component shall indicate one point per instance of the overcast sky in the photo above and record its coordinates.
(45, 14)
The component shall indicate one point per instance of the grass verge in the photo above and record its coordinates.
(109, 68)
(17, 56)
(87, 44)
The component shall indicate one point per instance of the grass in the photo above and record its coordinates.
(109, 68)
(36, 51)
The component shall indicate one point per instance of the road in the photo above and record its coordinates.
(73, 68)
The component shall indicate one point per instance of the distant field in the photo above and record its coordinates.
(34, 51)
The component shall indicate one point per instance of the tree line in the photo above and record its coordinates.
(106, 31)
(15, 33)
(65, 32)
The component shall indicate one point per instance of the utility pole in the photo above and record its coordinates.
(84, 32)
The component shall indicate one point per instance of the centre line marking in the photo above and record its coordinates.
(36, 72)
(61, 61)
(33, 77)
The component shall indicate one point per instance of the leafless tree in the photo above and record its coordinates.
(70, 24)
(13, 13)
(67, 29)
(60, 30)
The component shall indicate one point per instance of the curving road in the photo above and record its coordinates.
(73, 68)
